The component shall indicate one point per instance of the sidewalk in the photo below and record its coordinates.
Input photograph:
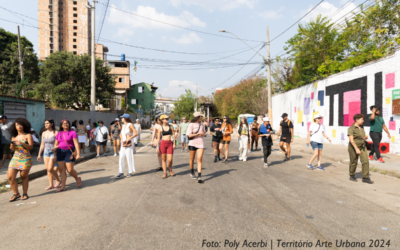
(38, 169)
(339, 153)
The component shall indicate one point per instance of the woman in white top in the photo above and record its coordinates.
(316, 135)
(138, 128)
(156, 128)
(243, 134)
(128, 133)
(101, 136)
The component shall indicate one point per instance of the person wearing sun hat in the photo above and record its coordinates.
(227, 130)
(316, 136)
(265, 132)
(166, 146)
(195, 133)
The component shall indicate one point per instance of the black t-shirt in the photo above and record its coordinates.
(266, 140)
(286, 126)
(217, 130)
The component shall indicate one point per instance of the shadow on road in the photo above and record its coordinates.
(217, 174)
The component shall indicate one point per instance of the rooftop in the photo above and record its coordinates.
(21, 98)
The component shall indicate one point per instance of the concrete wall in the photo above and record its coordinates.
(339, 97)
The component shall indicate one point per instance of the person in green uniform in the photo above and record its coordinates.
(358, 149)
(377, 125)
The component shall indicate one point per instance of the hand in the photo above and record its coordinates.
(329, 140)
(201, 133)
(174, 146)
(17, 142)
(373, 110)
(39, 158)
(78, 157)
(54, 149)
(389, 135)
(158, 150)
(291, 140)
(308, 142)
(358, 151)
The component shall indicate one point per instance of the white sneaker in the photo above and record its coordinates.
(265, 165)
(240, 159)
(115, 155)
(97, 156)
(244, 159)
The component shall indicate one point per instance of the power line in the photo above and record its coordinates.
(104, 17)
(181, 27)
(296, 22)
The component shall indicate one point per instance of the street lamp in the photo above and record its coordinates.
(268, 63)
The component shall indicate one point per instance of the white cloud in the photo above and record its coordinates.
(212, 5)
(271, 14)
(188, 39)
(130, 22)
(177, 87)
(211, 70)
(329, 10)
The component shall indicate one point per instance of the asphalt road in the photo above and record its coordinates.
(238, 202)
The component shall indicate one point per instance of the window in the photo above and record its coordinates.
(75, 21)
(75, 3)
(140, 89)
(51, 27)
(121, 65)
(74, 52)
(50, 1)
(74, 33)
(51, 39)
(121, 79)
(75, 15)
(51, 51)
(74, 46)
(134, 101)
(51, 46)
(74, 40)
(51, 14)
(75, 27)
(51, 20)
(75, 9)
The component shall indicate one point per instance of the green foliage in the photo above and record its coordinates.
(65, 81)
(123, 103)
(9, 62)
(19, 86)
(184, 106)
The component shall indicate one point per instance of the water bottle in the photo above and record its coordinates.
(308, 145)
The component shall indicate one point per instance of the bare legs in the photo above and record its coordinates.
(200, 153)
(69, 166)
(82, 145)
(167, 160)
(12, 178)
(287, 151)
(49, 162)
(117, 146)
(221, 149)
(317, 153)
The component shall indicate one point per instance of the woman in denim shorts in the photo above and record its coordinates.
(316, 135)
(48, 140)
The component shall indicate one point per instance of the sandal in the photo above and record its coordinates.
(15, 197)
(58, 184)
(80, 182)
(49, 188)
(165, 176)
(61, 190)
(171, 173)
(24, 197)
(159, 169)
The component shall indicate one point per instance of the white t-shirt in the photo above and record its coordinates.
(99, 133)
(316, 133)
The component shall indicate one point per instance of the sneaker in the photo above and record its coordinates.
(371, 157)
(193, 176)
(367, 180)
(129, 175)
(115, 155)
(320, 168)
(105, 154)
(286, 158)
(119, 176)
(309, 166)
(182, 150)
(265, 165)
(240, 159)
(245, 159)
(199, 180)
(352, 178)
(97, 156)
(381, 160)
(215, 159)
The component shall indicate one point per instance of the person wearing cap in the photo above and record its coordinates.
(286, 132)
(265, 132)
(101, 136)
(138, 128)
(127, 135)
(316, 136)
(166, 146)
(5, 139)
(215, 131)
(115, 136)
(375, 132)
(182, 131)
(227, 130)
(195, 133)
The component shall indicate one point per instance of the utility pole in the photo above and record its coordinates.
(21, 66)
(93, 73)
(269, 79)
(195, 107)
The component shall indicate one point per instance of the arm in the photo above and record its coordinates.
(174, 141)
(323, 133)
(39, 158)
(308, 137)
(12, 145)
(292, 133)
(153, 136)
(158, 140)
(279, 131)
(372, 117)
(132, 130)
(386, 130)
(77, 149)
(354, 144)
(28, 145)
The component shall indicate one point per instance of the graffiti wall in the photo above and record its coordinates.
(341, 96)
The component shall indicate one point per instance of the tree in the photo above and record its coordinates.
(281, 73)
(9, 63)
(184, 106)
(65, 81)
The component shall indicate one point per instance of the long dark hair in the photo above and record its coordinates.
(245, 122)
(61, 123)
(228, 121)
(128, 120)
(25, 124)
(195, 119)
(51, 121)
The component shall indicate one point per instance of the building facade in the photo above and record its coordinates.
(142, 95)
(64, 25)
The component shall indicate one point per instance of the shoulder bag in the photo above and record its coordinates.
(105, 136)
(191, 138)
(316, 131)
(73, 153)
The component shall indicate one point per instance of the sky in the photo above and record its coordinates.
(177, 43)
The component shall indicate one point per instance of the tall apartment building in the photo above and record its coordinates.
(64, 25)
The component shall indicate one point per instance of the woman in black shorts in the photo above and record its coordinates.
(195, 133)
